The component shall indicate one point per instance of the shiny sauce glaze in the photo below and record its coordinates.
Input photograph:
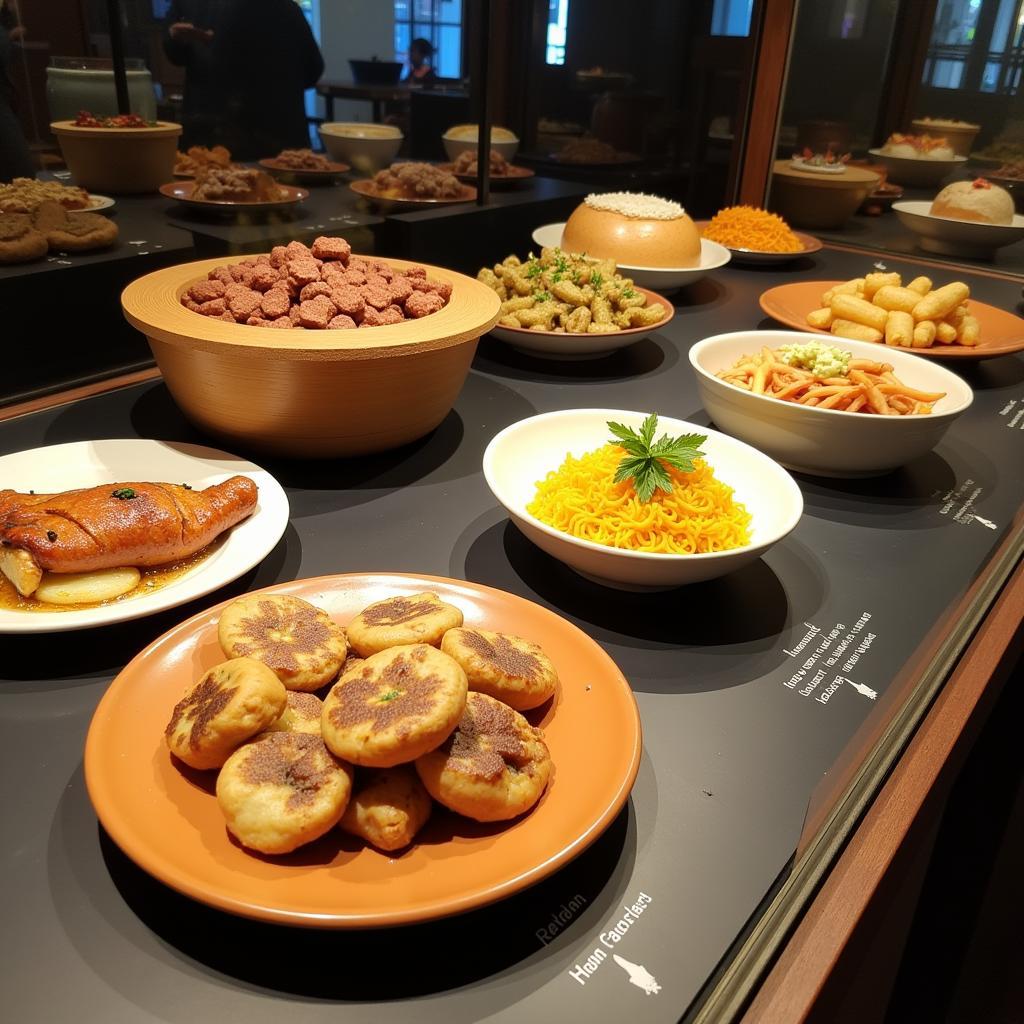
(153, 579)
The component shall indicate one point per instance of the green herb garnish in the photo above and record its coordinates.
(629, 294)
(534, 270)
(123, 493)
(596, 280)
(390, 695)
(542, 296)
(646, 458)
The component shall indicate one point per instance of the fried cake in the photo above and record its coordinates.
(417, 619)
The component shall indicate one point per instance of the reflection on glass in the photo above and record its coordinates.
(731, 17)
(558, 19)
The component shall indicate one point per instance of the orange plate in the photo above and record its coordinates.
(165, 817)
(1001, 333)
(182, 192)
(514, 176)
(368, 190)
(310, 174)
(809, 242)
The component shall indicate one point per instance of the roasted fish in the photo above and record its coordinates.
(118, 524)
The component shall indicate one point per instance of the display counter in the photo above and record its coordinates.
(774, 703)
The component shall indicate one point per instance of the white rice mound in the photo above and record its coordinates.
(635, 204)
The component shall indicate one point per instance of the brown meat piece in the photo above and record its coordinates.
(342, 323)
(317, 313)
(214, 307)
(376, 297)
(278, 256)
(264, 277)
(423, 304)
(348, 300)
(303, 271)
(311, 291)
(204, 291)
(400, 289)
(379, 317)
(325, 248)
(275, 303)
(90, 529)
(297, 250)
(415, 271)
(244, 303)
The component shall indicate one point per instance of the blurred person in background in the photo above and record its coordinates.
(15, 159)
(247, 66)
(420, 52)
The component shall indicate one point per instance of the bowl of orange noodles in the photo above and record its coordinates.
(554, 475)
(825, 439)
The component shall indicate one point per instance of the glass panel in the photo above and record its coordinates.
(448, 59)
(450, 11)
(403, 36)
(731, 17)
(423, 9)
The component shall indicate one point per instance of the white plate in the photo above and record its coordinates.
(802, 165)
(826, 442)
(63, 467)
(96, 203)
(660, 279)
(527, 451)
(956, 237)
(917, 170)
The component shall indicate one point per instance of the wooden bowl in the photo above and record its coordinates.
(121, 161)
(311, 394)
(809, 200)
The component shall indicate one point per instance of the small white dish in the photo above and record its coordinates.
(96, 203)
(660, 279)
(953, 237)
(803, 165)
(525, 452)
(826, 442)
(920, 170)
(456, 144)
(63, 467)
(366, 147)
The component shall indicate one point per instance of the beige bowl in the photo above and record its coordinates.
(365, 147)
(462, 137)
(632, 241)
(959, 134)
(121, 161)
(314, 394)
(809, 200)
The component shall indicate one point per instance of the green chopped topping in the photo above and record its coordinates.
(817, 357)
(389, 696)
(123, 493)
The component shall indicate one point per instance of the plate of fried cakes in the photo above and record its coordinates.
(363, 750)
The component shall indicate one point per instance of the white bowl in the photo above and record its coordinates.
(454, 146)
(660, 279)
(921, 170)
(953, 237)
(826, 442)
(364, 146)
(525, 452)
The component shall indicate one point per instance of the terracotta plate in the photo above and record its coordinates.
(305, 175)
(182, 192)
(751, 256)
(515, 174)
(166, 818)
(1002, 333)
(368, 190)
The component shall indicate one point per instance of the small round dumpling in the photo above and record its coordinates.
(303, 645)
(394, 706)
(513, 670)
(494, 766)
(301, 715)
(388, 809)
(418, 619)
(230, 704)
(282, 791)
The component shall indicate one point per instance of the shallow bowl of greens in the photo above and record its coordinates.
(524, 453)
(826, 442)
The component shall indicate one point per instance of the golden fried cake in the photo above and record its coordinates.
(513, 670)
(230, 704)
(388, 809)
(302, 644)
(395, 706)
(419, 619)
(282, 791)
(301, 715)
(493, 767)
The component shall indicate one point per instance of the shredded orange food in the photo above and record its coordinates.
(749, 227)
(698, 515)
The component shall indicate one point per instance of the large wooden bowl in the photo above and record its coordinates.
(311, 394)
(121, 161)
